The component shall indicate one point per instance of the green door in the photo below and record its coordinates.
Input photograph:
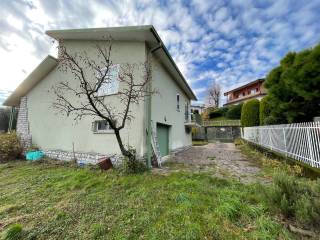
(163, 139)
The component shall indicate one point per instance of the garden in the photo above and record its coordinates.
(50, 199)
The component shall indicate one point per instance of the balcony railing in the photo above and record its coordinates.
(230, 100)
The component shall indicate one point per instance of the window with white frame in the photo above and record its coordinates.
(101, 126)
(111, 86)
(186, 112)
(178, 102)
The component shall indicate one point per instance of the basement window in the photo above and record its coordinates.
(101, 126)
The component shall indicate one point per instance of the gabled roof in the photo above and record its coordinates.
(45, 67)
(243, 86)
(145, 33)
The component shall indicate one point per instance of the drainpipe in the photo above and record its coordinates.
(149, 102)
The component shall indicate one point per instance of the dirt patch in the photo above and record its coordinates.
(220, 159)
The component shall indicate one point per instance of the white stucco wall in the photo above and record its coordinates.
(52, 131)
(164, 106)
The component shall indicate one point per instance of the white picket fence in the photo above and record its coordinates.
(300, 141)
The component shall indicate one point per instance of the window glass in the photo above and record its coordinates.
(111, 86)
(186, 112)
(253, 91)
(101, 126)
(178, 102)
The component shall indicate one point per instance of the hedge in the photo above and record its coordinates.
(250, 113)
(264, 111)
(234, 111)
(219, 112)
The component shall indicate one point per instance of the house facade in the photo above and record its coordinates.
(252, 90)
(197, 108)
(61, 137)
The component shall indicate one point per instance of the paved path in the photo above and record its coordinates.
(220, 159)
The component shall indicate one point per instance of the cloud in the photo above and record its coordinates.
(228, 42)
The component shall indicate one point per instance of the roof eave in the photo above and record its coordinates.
(192, 95)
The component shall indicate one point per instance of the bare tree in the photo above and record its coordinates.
(213, 95)
(89, 78)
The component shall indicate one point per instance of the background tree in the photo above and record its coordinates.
(250, 113)
(80, 96)
(213, 95)
(294, 87)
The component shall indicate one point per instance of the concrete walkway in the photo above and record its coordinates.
(220, 159)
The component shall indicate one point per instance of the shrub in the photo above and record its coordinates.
(219, 112)
(264, 111)
(234, 112)
(296, 197)
(271, 120)
(10, 147)
(133, 166)
(14, 232)
(250, 113)
(215, 114)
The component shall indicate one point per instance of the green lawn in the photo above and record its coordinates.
(60, 202)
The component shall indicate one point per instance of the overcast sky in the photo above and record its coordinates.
(229, 42)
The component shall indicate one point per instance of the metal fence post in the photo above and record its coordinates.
(310, 147)
(270, 145)
(285, 141)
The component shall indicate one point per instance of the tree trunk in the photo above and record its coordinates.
(124, 151)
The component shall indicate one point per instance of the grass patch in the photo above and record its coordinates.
(293, 192)
(62, 202)
(199, 143)
(14, 232)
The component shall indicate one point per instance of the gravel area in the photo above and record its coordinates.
(220, 159)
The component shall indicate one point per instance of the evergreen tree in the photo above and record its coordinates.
(294, 87)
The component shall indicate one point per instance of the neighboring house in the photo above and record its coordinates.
(250, 90)
(58, 136)
(197, 108)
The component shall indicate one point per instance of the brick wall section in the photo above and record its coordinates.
(87, 158)
(23, 124)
